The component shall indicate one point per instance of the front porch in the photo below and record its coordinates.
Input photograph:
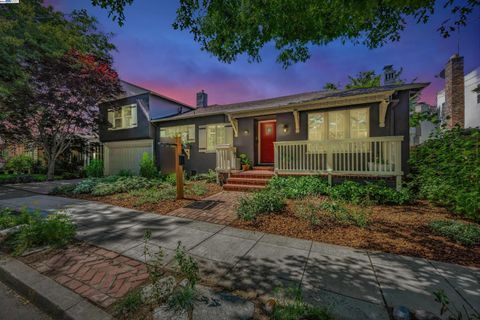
(374, 157)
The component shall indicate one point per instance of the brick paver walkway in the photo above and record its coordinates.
(219, 208)
(99, 275)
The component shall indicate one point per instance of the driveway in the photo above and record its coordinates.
(355, 284)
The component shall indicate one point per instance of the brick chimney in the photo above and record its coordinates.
(454, 92)
(202, 99)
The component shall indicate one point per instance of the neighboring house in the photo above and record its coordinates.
(459, 102)
(424, 129)
(130, 132)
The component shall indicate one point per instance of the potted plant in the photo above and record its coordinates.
(245, 162)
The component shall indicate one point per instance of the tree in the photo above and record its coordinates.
(59, 71)
(228, 29)
(330, 86)
(364, 79)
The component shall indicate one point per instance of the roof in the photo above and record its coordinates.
(266, 104)
(131, 89)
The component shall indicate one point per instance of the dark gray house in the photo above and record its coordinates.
(130, 132)
(357, 132)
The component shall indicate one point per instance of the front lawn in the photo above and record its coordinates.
(369, 217)
(152, 195)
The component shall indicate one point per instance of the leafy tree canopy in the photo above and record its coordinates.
(364, 79)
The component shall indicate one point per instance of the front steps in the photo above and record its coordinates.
(251, 180)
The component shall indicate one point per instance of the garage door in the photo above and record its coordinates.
(125, 155)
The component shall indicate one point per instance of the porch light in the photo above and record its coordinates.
(285, 128)
(245, 132)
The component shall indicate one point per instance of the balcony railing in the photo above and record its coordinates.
(225, 158)
(377, 156)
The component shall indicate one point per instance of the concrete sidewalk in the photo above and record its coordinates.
(356, 284)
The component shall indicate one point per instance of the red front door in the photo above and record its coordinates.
(268, 135)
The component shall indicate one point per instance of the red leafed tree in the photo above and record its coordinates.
(62, 102)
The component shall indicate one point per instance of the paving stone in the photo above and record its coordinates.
(221, 306)
(187, 236)
(286, 242)
(165, 313)
(345, 275)
(240, 233)
(223, 248)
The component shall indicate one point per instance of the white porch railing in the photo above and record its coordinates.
(225, 157)
(376, 156)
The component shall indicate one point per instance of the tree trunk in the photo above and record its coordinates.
(50, 168)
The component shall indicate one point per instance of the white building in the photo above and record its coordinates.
(472, 100)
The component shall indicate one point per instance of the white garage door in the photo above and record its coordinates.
(125, 155)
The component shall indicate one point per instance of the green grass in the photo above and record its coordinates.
(290, 306)
(182, 298)
(465, 233)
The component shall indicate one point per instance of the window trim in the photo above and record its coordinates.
(122, 109)
(327, 123)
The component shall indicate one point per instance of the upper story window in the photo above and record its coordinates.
(123, 118)
(334, 125)
(186, 132)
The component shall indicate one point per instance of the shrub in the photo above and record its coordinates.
(182, 298)
(264, 201)
(299, 187)
(20, 164)
(85, 186)
(128, 305)
(209, 177)
(147, 167)
(56, 230)
(446, 170)
(9, 218)
(171, 179)
(125, 173)
(373, 193)
(197, 189)
(94, 169)
(64, 189)
(123, 184)
(466, 233)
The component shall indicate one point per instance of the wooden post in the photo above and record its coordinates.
(178, 167)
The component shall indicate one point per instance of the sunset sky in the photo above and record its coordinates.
(154, 55)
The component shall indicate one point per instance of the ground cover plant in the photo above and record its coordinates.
(23, 178)
(465, 233)
(446, 170)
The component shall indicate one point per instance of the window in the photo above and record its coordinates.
(187, 132)
(334, 125)
(123, 118)
(216, 134)
(210, 136)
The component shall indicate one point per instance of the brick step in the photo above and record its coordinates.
(247, 180)
(253, 174)
(263, 168)
(242, 187)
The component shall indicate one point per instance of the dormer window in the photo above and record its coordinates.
(123, 118)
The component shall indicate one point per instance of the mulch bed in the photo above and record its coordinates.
(396, 229)
(163, 207)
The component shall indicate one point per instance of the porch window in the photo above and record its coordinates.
(335, 125)
(123, 118)
(186, 132)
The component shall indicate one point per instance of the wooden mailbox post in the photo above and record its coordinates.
(179, 167)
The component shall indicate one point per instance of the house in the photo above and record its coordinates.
(459, 102)
(357, 133)
(130, 132)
